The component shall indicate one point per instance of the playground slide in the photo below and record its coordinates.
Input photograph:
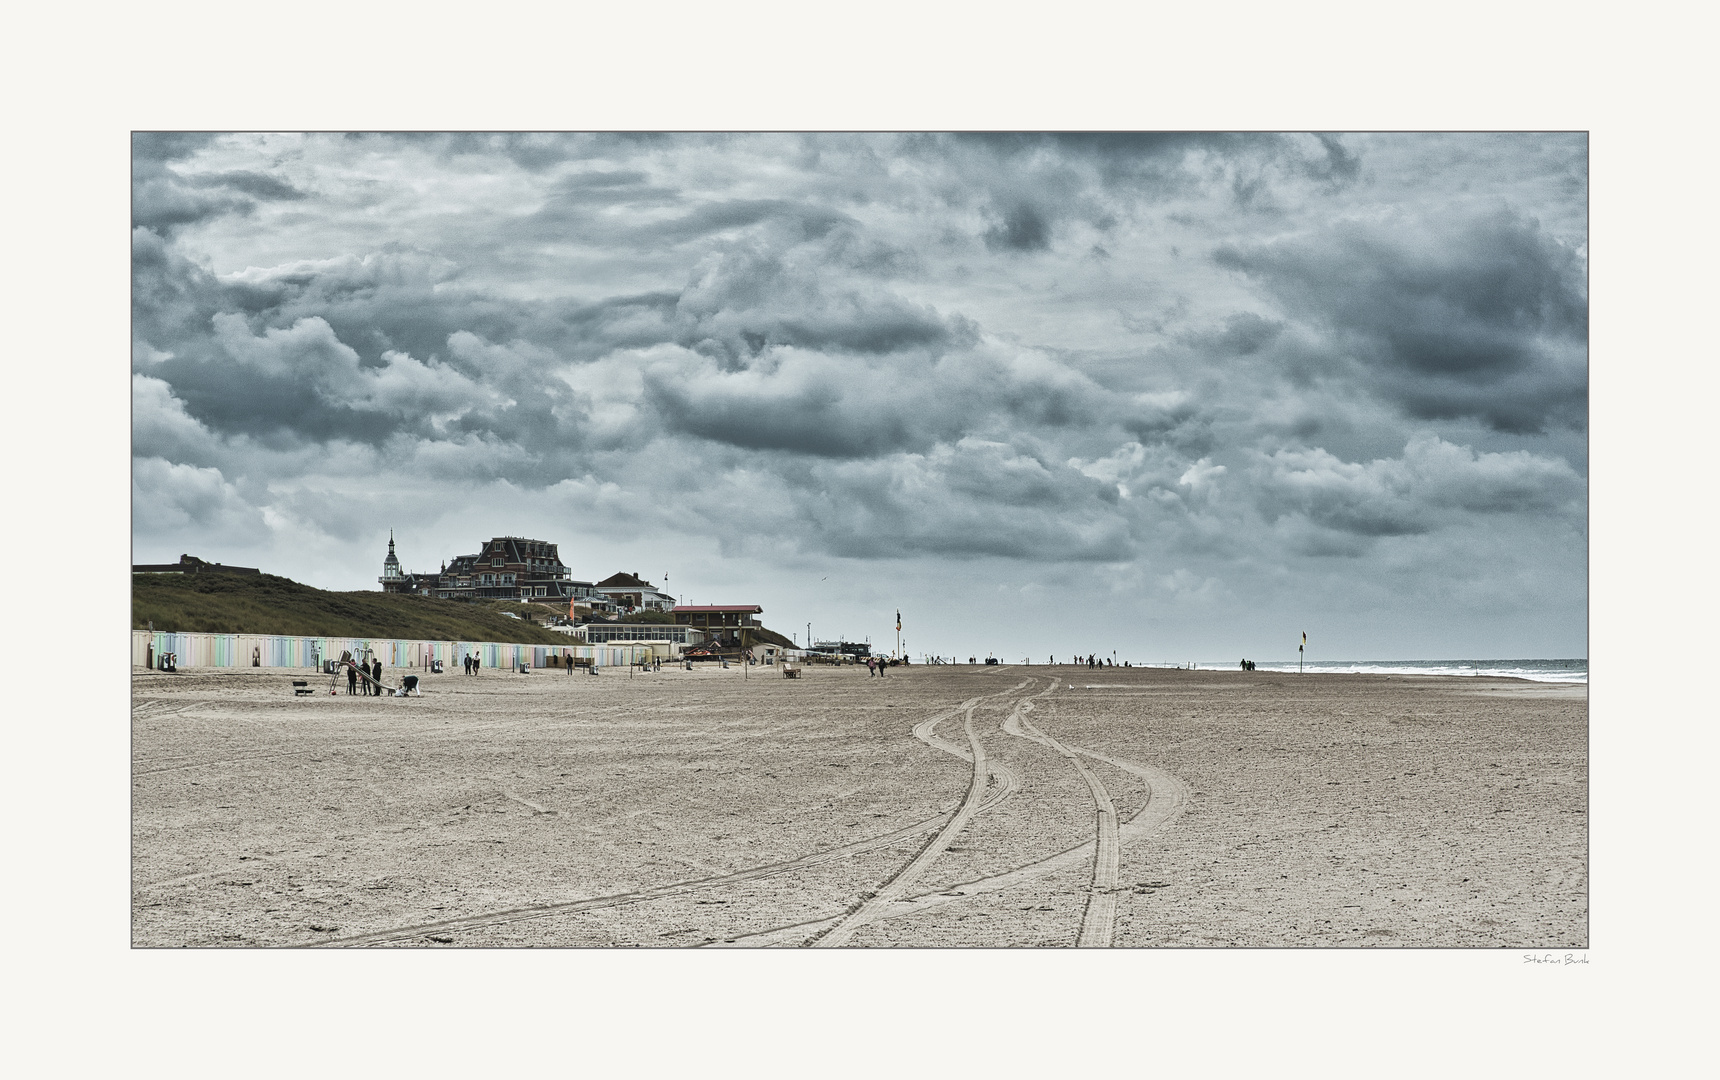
(345, 662)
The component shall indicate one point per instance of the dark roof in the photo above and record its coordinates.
(513, 549)
(624, 581)
(752, 608)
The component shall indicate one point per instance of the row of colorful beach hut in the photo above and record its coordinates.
(280, 651)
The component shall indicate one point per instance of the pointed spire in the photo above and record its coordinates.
(391, 565)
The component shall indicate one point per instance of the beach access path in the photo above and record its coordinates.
(943, 806)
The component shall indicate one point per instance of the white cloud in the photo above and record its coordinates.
(169, 499)
(1201, 476)
(160, 426)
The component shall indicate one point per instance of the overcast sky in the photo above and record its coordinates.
(1182, 396)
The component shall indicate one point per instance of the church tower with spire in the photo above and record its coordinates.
(391, 574)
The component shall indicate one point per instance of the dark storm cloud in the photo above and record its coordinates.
(1030, 187)
(536, 152)
(165, 199)
(1487, 319)
(585, 191)
(1118, 159)
(250, 183)
(744, 300)
(165, 204)
(1414, 493)
(573, 210)
(172, 297)
(832, 404)
(968, 500)
(1243, 334)
(148, 148)
(1022, 228)
(811, 221)
(823, 417)
(1342, 166)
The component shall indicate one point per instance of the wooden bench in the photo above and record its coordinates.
(300, 686)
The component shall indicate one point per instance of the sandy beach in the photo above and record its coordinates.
(946, 806)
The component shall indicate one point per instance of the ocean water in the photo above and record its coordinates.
(1571, 671)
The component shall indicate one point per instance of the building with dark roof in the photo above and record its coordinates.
(727, 624)
(191, 564)
(630, 592)
(505, 568)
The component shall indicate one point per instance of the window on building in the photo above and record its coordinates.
(497, 561)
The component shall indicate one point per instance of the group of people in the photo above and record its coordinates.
(875, 665)
(372, 681)
(1090, 660)
(472, 663)
(1248, 665)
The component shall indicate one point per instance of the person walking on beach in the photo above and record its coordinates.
(351, 679)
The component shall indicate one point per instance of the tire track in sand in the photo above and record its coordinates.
(1099, 916)
(1009, 783)
(543, 911)
(1167, 798)
(872, 904)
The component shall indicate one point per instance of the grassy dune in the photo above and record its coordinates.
(266, 604)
